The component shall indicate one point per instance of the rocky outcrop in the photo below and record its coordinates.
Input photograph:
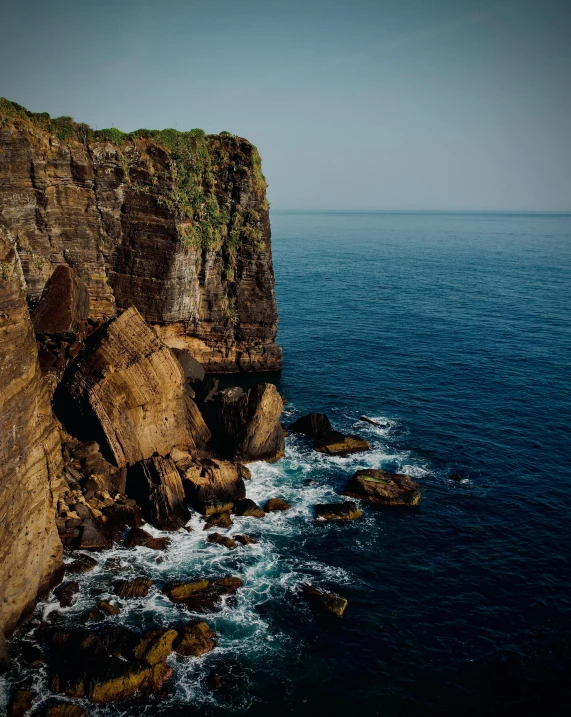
(213, 486)
(381, 488)
(337, 511)
(324, 602)
(127, 390)
(30, 455)
(195, 639)
(246, 426)
(325, 439)
(173, 223)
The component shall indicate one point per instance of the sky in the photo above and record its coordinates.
(360, 104)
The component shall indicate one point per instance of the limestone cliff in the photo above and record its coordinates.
(174, 223)
(30, 454)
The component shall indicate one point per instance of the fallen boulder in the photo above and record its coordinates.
(324, 602)
(196, 638)
(213, 486)
(126, 389)
(63, 304)
(381, 488)
(157, 487)
(246, 426)
(337, 511)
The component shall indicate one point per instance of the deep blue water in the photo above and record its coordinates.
(454, 330)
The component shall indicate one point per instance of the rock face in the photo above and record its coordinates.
(64, 303)
(381, 488)
(246, 426)
(30, 455)
(127, 390)
(156, 486)
(176, 224)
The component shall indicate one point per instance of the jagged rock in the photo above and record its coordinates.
(139, 587)
(157, 487)
(83, 450)
(245, 539)
(138, 536)
(127, 389)
(244, 472)
(212, 486)
(196, 638)
(30, 452)
(203, 596)
(108, 607)
(337, 511)
(218, 520)
(224, 540)
(382, 488)
(276, 504)
(20, 703)
(65, 709)
(326, 440)
(66, 592)
(119, 516)
(246, 426)
(248, 508)
(91, 538)
(323, 601)
(155, 646)
(313, 425)
(63, 304)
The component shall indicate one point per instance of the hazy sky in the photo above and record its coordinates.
(374, 104)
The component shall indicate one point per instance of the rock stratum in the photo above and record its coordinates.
(173, 223)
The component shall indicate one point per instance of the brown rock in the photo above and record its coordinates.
(276, 504)
(30, 450)
(64, 303)
(381, 488)
(222, 540)
(203, 595)
(157, 487)
(246, 426)
(340, 444)
(213, 486)
(337, 511)
(20, 703)
(179, 592)
(91, 538)
(218, 520)
(248, 508)
(129, 388)
(244, 472)
(324, 602)
(313, 425)
(108, 607)
(155, 646)
(139, 587)
(196, 639)
(138, 536)
(65, 709)
(245, 539)
(66, 592)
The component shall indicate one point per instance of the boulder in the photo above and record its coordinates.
(179, 592)
(20, 703)
(139, 587)
(196, 638)
(157, 487)
(138, 536)
(246, 426)
(109, 608)
(325, 439)
(276, 504)
(64, 709)
(245, 539)
(63, 304)
(224, 540)
(324, 602)
(82, 564)
(203, 596)
(126, 389)
(373, 422)
(218, 520)
(337, 511)
(248, 509)
(155, 646)
(381, 488)
(91, 538)
(66, 593)
(213, 486)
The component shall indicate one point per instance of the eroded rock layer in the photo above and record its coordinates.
(176, 224)
(30, 454)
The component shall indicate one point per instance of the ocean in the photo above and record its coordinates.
(453, 331)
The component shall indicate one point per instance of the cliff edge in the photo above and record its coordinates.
(173, 223)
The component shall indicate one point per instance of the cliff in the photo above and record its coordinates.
(174, 223)
(30, 454)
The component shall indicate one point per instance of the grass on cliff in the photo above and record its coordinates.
(205, 218)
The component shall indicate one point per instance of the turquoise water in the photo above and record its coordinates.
(453, 330)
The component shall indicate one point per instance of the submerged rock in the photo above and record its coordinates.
(323, 601)
(157, 487)
(246, 426)
(196, 638)
(64, 709)
(82, 564)
(20, 703)
(248, 508)
(382, 488)
(325, 439)
(138, 536)
(203, 596)
(213, 486)
(372, 421)
(337, 511)
(139, 587)
(224, 540)
(276, 504)
(109, 608)
(218, 520)
(245, 539)
(66, 593)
